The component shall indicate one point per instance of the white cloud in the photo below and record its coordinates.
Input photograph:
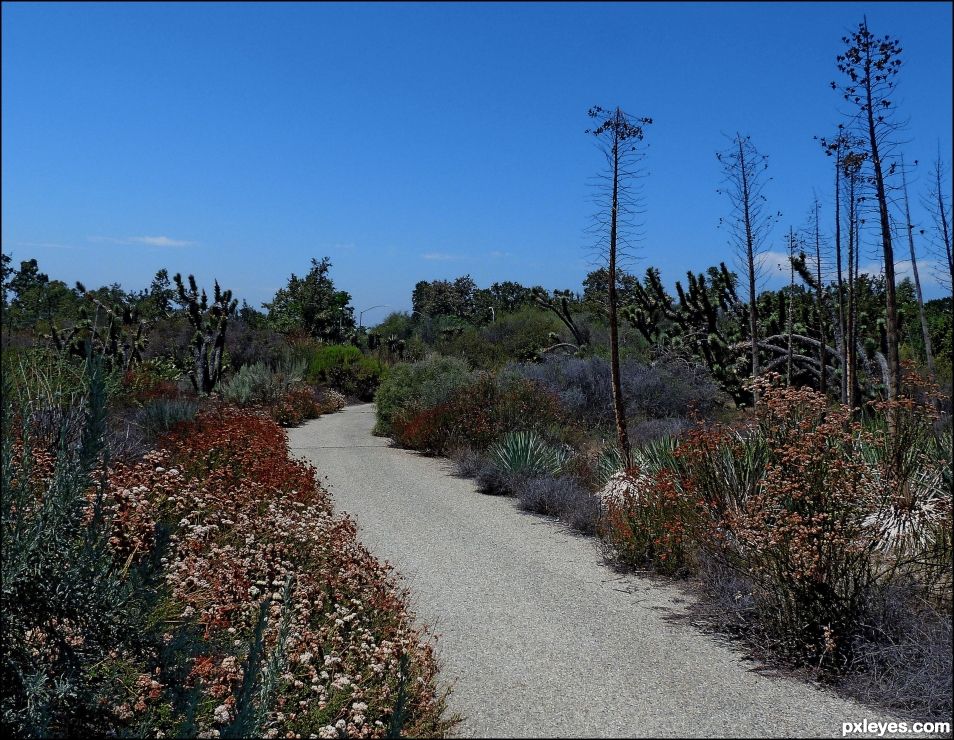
(149, 241)
(775, 264)
(160, 241)
(440, 256)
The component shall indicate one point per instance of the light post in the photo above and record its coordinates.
(362, 313)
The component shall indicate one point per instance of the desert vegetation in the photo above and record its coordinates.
(784, 454)
(168, 569)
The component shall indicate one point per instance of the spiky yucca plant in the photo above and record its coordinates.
(527, 453)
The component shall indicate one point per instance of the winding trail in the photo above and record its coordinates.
(536, 636)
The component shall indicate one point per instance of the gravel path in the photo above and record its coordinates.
(537, 637)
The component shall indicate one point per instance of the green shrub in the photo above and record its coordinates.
(163, 414)
(412, 387)
(346, 368)
(527, 453)
(259, 384)
(66, 608)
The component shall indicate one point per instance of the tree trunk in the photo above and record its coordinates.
(618, 404)
(842, 329)
(851, 368)
(891, 325)
(750, 255)
(819, 302)
(791, 304)
(928, 353)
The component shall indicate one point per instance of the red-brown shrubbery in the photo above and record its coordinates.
(294, 628)
(818, 512)
(479, 414)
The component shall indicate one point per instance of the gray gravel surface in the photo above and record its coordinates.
(535, 635)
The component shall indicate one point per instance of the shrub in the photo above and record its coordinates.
(250, 345)
(258, 384)
(65, 607)
(346, 368)
(665, 390)
(467, 460)
(162, 415)
(646, 521)
(521, 335)
(561, 497)
(480, 413)
(526, 453)
(409, 388)
(329, 400)
(295, 405)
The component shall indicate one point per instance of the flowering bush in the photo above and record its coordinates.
(229, 601)
(818, 512)
(480, 413)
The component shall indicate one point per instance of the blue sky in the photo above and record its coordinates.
(409, 142)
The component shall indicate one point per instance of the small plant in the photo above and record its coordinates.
(526, 453)
(164, 414)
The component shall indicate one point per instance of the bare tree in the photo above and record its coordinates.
(618, 135)
(838, 147)
(928, 353)
(820, 298)
(939, 206)
(790, 317)
(852, 165)
(871, 65)
(744, 168)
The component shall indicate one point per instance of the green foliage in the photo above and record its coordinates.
(526, 453)
(346, 368)
(164, 414)
(521, 335)
(410, 387)
(311, 304)
(65, 606)
(259, 384)
(36, 301)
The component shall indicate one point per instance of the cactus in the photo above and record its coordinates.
(559, 303)
(209, 322)
(116, 333)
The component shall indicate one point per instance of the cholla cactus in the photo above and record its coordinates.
(209, 322)
(115, 333)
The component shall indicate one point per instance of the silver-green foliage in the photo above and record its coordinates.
(527, 453)
(260, 384)
(163, 414)
(410, 387)
(65, 604)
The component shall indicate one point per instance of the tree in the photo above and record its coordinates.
(209, 323)
(938, 204)
(838, 147)
(852, 164)
(744, 168)
(312, 304)
(445, 298)
(596, 289)
(160, 296)
(38, 300)
(871, 65)
(928, 353)
(618, 134)
(562, 303)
